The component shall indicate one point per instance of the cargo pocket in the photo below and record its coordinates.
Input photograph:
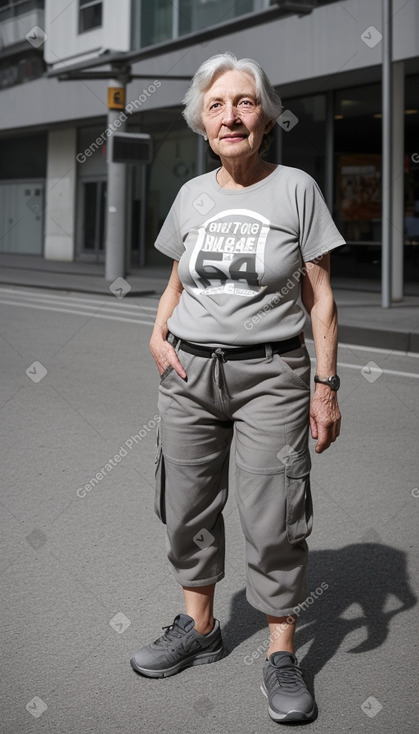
(160, 476)
(299, 501)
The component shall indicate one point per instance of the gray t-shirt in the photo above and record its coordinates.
(241, 254)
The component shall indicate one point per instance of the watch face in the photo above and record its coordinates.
(334, 382)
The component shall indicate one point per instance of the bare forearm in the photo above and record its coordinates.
(163, 352)
(167, 305)
(317, 297)
(324, 323)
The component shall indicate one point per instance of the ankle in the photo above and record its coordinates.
(285, 648)
(204, 627)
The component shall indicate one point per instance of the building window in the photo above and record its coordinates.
(13, 8)
(162, 20)
(90, 15)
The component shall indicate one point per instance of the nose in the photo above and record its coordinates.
(230, 115)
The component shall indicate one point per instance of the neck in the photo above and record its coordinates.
(237, 174)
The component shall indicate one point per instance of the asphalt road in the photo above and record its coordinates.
(83, 570)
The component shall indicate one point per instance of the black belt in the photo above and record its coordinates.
(251, 352)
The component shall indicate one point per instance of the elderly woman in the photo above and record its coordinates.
(249, 244)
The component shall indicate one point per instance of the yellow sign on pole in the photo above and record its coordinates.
(116, 98)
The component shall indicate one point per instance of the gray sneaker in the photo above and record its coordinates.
(180, 647)
(284, 687)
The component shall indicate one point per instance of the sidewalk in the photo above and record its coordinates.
(361, 319)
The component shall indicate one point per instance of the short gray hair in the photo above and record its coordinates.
(213, 67)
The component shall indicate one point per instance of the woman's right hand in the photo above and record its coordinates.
(164, 355)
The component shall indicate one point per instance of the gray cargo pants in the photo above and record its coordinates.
(264, 403)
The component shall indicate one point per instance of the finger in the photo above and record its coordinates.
(169, 358)
(324, 441)
(173, 360)
(334, 431)
(177, 366)
(313, 427)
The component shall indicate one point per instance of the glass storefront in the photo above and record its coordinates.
(411, 178)
(357, 177)
(355, 201)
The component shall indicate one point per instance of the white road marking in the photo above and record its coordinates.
(78, 313)
(379, 350)
(74, 300)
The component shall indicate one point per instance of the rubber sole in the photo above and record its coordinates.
(200, 659)
(290, 715)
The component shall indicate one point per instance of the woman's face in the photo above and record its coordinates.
(232, 116)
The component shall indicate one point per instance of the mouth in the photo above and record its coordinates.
(234, 137)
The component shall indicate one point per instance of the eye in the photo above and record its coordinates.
(247, 103)
(214, 106)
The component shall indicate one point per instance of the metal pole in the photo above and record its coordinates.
(116, 193)
(329, 150)
(387, 155)
(397, 173)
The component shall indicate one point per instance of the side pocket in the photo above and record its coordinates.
(160, 476)
(299, 500)
(168, 371)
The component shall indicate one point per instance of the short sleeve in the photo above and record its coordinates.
(169, 240)
(318, 232)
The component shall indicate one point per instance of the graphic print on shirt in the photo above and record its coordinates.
(228, 256)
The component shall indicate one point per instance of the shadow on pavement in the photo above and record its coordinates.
(365, 574)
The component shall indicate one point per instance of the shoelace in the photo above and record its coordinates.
(171, 632)
(289, 677)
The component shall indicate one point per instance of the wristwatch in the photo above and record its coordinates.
(333, 381)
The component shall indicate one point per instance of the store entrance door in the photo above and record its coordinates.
(91, 230)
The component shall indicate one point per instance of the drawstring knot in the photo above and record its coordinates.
(218, 359)
(219, 354)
